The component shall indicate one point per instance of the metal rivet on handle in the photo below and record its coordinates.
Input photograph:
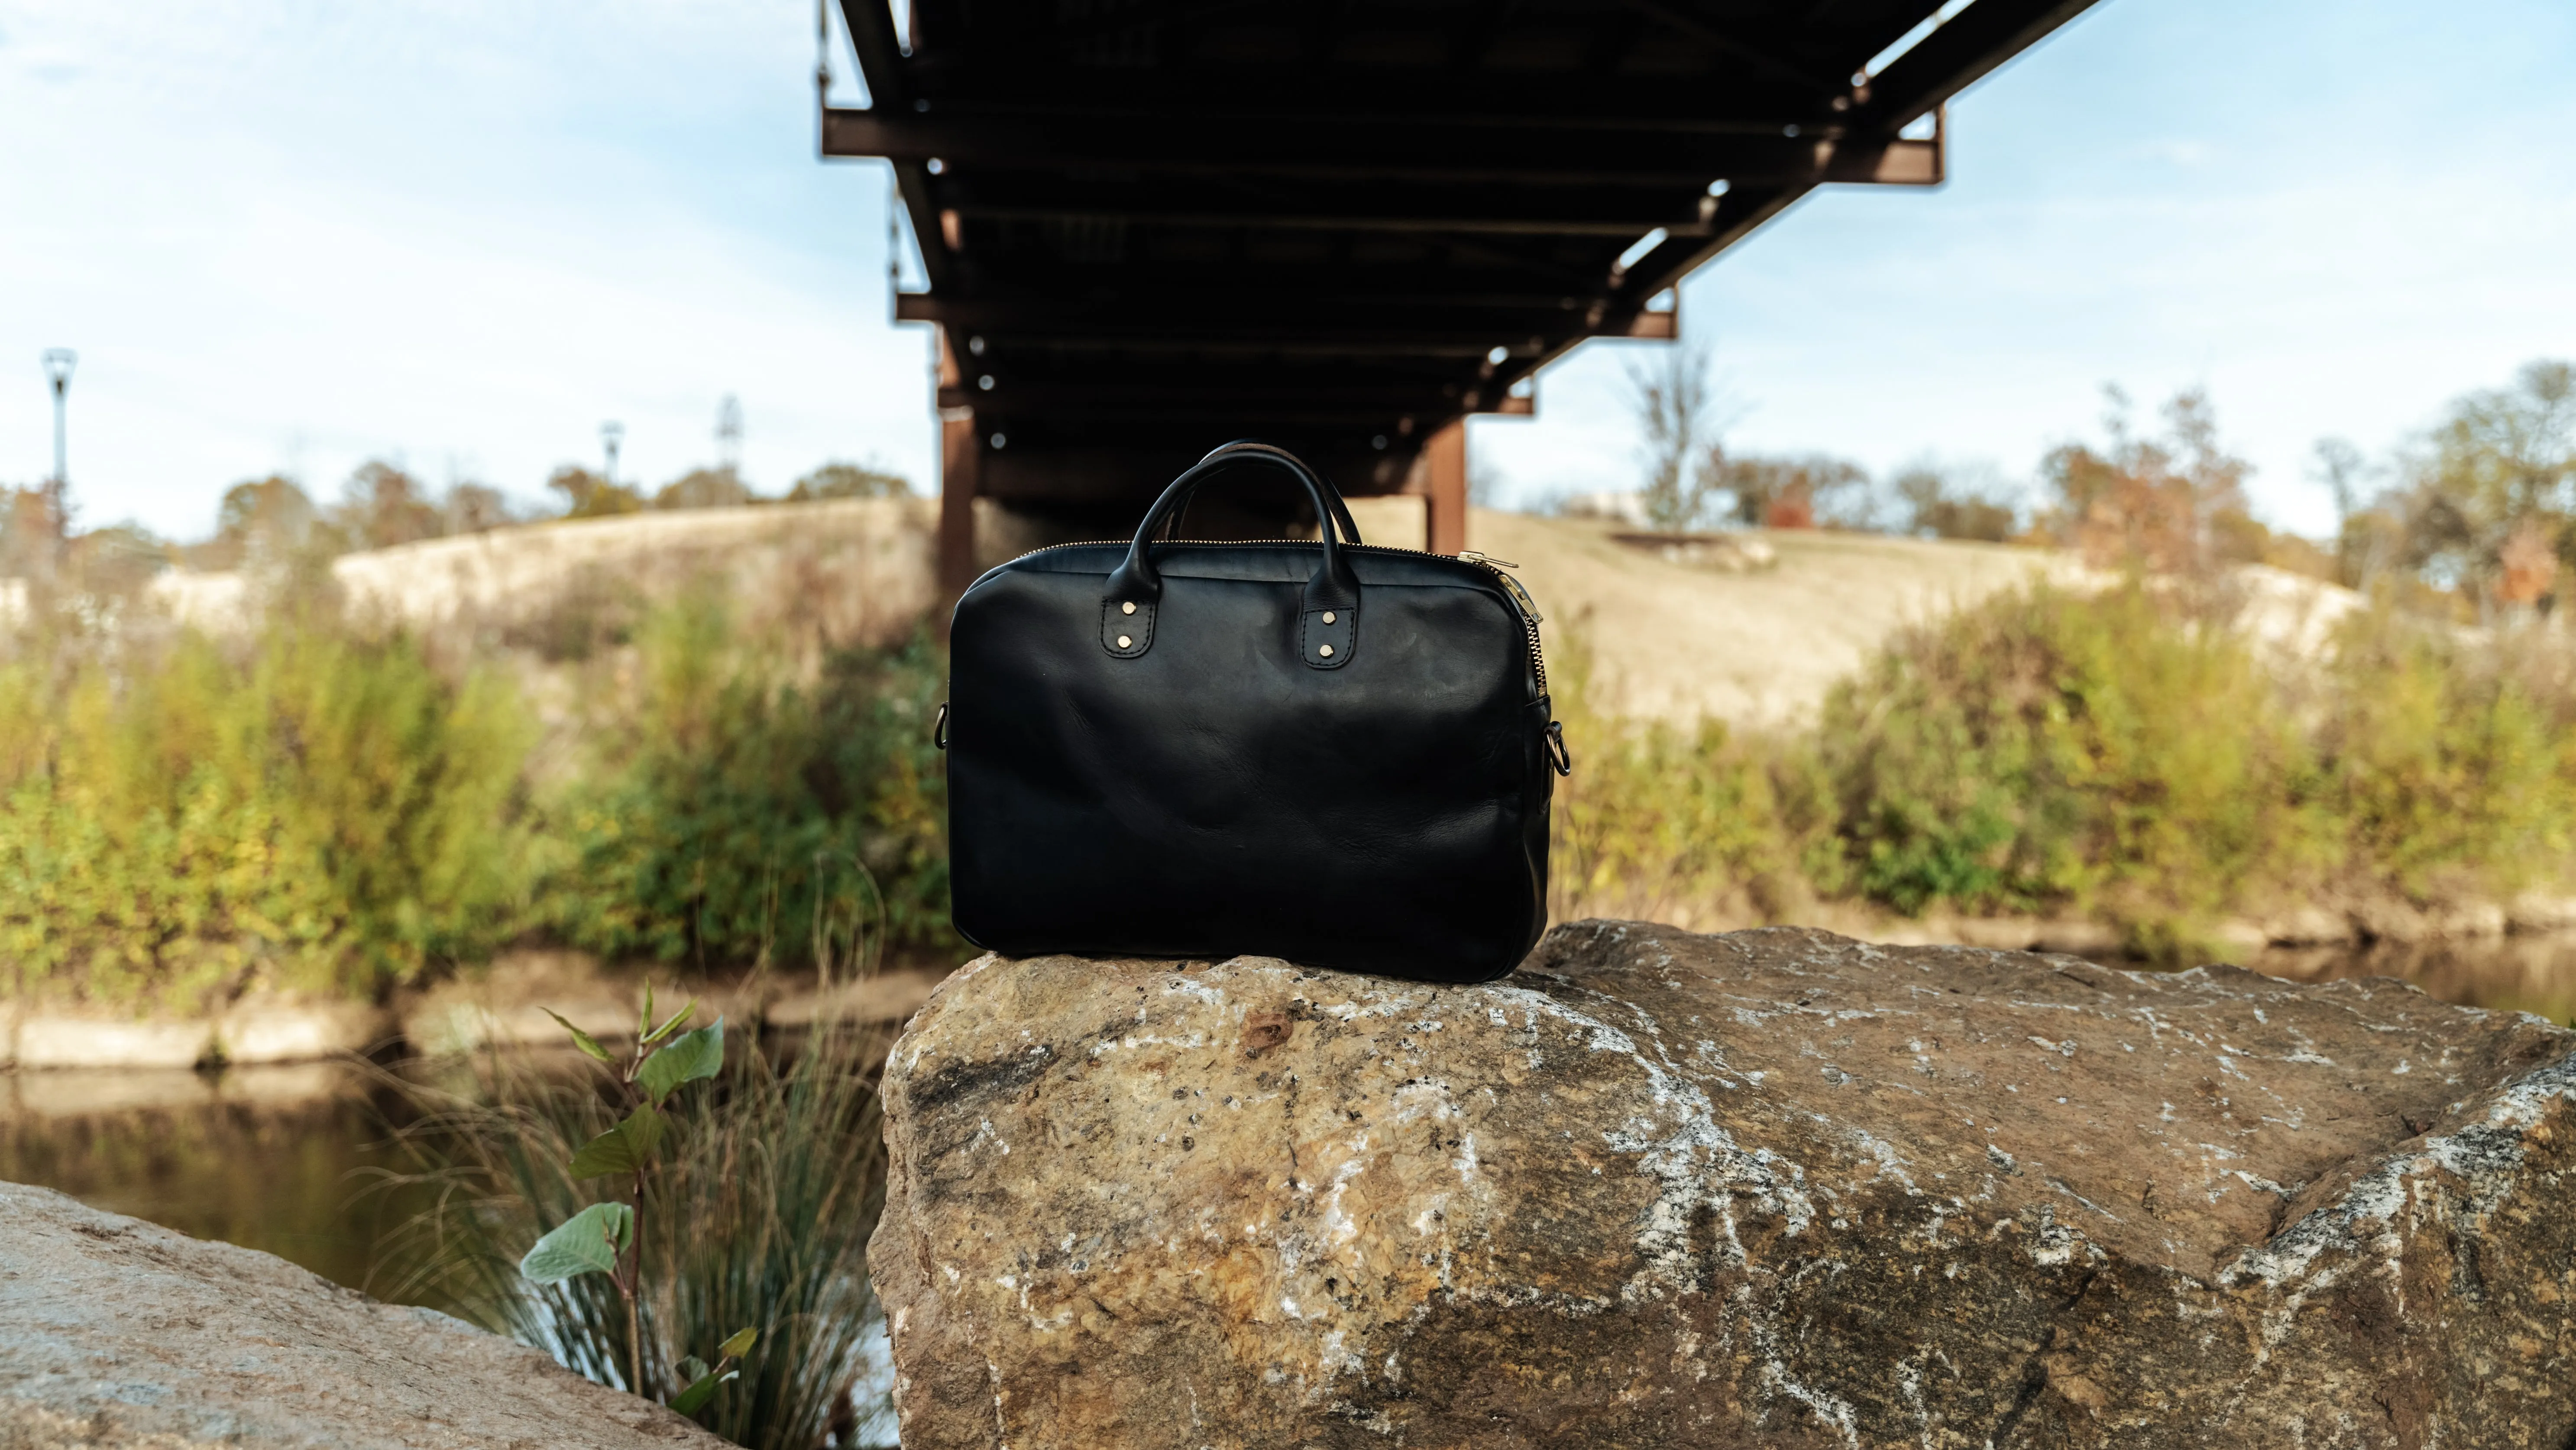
(1127, 608)
(1324, 649)
(1328, 616)
(1125, 643)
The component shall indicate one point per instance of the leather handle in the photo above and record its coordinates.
(1329, 612)
(1333, 585)
(1341, 514)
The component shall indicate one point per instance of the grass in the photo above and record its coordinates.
(760, 1215)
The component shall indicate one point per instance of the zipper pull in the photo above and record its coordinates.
(1472, 557)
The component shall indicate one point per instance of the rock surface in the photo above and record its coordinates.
(1774, 1188)
(116, 1333)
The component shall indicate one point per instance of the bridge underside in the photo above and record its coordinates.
(1150, 226)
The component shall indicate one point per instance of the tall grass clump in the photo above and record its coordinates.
(736, 806)
(306, 809)
(757, 1215)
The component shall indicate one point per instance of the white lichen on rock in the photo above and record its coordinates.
(1774, 1188)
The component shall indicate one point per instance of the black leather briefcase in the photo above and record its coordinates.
(1326, 752)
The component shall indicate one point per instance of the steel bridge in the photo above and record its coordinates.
(1150, 226)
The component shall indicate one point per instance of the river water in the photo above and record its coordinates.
(282, 1159)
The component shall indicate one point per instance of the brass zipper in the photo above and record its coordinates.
(1530, 617)
(1525, 606)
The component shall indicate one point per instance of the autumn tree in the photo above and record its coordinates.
(1946, 503)
(589, 496)
(1789, 492)
(2172, 502)
(849, 480)
(473, 508)
(704, 488)
(381, 506)
(260, 521)
(2489, 501)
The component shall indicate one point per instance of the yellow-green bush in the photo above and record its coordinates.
(2045, 751)
(2123, 755)
(729, 813)
(321, 811)
(2446, 759)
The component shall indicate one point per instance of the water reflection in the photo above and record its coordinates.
(2518, 973)
(269, 1158)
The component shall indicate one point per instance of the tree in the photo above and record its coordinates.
(260, 521)
(1672, 407)
(32, 530)
(382, 506)
(1938, 503)
(704, 488)
(1788, 493)
(473, 508)
(589, 496)
(2489, 502)
(849, 480)
(2369, 538)
(2171, 503)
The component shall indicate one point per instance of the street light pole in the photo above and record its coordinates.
(58, 371)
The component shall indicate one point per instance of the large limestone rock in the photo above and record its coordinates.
(115, 1333)
(1774, 1188)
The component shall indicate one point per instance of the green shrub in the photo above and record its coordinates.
(2053, 752)
(2446, 761)
(730, 815)
(314, 810)
(2124, 755)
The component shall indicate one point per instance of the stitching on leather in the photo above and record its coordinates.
(1139, 626)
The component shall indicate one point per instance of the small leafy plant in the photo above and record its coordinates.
(604, 1238)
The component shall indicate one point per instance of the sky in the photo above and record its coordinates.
(285, 235)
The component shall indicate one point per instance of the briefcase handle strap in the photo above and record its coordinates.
(1328, 632)
(1341, 511)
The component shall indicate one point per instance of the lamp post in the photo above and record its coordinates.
(610, 435)
(58, 371)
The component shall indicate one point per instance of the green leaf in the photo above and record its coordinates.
(689, 1057)
(695, 1397)
(675, 1019)
(693, 1369)
(586, 1243)
(580, 1039)
(625, 1148)
(740, 1344)
(644, 1019)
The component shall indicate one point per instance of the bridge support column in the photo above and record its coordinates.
(1444, 488)
(961, 457)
